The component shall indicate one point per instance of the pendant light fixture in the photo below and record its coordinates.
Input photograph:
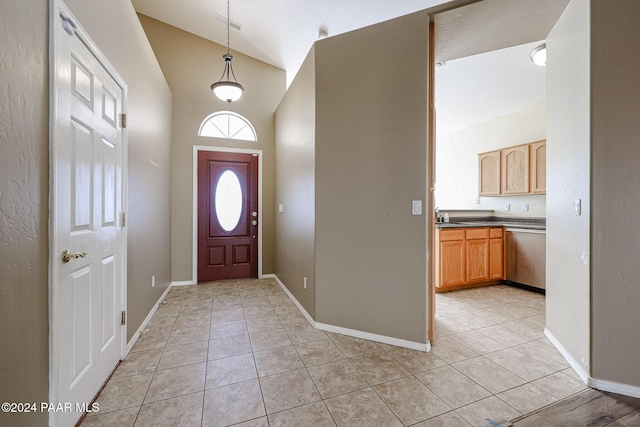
(226, 89)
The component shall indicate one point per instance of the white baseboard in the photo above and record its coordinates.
(604, 385)
(144, 324)
(351, 332)
(183, 283)
(292, 298)
(568, 357)
(374, 337)
(613, 387)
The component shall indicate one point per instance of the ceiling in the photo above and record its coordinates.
(478, 88)
(278, 32)
(487, 75)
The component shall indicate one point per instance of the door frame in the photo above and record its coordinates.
(196, 149)
(56, 9)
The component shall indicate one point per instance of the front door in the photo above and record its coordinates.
(87, 238)
(227, 215)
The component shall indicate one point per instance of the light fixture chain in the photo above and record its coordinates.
(228, 24)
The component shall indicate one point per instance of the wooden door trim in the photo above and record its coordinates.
(56, 9)
(194, 167)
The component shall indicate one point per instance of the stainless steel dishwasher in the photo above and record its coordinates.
(526, 256)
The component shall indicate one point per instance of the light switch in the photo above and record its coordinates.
(280, 208)
(416, 207)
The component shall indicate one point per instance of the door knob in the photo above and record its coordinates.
(66, 255)
(254, 222)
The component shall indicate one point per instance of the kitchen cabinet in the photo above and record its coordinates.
(489, 173)
(539, 167)
(451, 259)
(496, 254)
(469, 256)
(477, 254)
(515, 170)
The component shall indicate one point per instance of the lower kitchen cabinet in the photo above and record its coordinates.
(451, 263)
(477, 257)
(469, 256)
(496, 254)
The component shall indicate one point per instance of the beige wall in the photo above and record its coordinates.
(457, 162)
(24, 207)
(24, 186)
(615, 108)
(295, 186)
(371, 151)
(149, 137)
(191, 64)
(568, 178)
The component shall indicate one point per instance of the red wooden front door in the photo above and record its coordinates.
(227, 215)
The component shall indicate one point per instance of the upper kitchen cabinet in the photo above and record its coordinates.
(539, 167)
(515, 170)
(489, 174)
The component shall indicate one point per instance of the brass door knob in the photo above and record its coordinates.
(66, 255)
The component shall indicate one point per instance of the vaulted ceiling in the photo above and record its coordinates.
(281, 32)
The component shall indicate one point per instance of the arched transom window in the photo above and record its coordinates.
(227, 124)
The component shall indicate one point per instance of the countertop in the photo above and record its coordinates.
(523, 223)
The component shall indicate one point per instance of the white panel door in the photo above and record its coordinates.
(87, 170)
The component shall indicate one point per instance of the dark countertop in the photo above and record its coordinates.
(524, 223)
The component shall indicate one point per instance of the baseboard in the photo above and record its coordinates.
(183, 283)
(374, 337)
(614, 387)
(292, 298)
(147, 319)
(350, 332)
(603, 385)
(577, 367)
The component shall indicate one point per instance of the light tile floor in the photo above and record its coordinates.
(240, 353)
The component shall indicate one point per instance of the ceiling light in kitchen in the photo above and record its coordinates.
(539, 55)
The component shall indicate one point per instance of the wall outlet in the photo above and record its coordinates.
(305, 283)
(577, 206)
(507, 207)
(525, 207)
(153, 281)
(477, 200)
(280, 208)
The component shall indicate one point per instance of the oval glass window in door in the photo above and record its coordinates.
(228, 201)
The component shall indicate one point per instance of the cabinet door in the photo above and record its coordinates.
(477, 260)
(515, 170)
(451, 263)
(489, 174)
(496, 259)
(539, 167)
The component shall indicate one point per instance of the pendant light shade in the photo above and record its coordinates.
(227, 89)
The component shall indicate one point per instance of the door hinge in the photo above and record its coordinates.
(68, 25)
(123, 218)
(123, 319)
(123, 120)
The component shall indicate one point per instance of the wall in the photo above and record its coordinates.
(295, 185)
(457, 162)
(615, 108)
(191, 64)
(24, 188)
(568, 178)
(371, 150)
(24, 207)
(149, 136)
